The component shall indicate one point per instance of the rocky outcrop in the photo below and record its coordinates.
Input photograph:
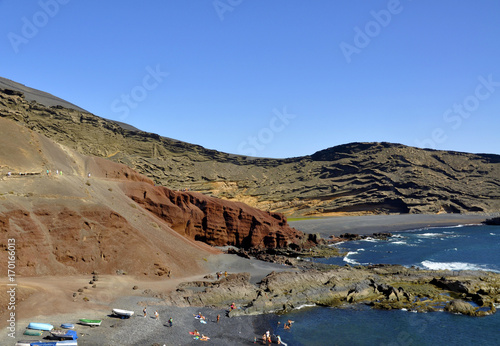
(381, 286)
(356, 178)
(495, 221)
(219, 222)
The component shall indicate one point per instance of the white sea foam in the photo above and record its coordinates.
(349, 260)
(430, 235)
(305, 306)
(399, 242)
(370, 239)
(453, 266)
(438, 227)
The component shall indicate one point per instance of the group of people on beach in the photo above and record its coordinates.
(219, 274)
(266, 338)
(157, 316)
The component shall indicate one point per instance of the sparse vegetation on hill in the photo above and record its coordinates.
(351, 179)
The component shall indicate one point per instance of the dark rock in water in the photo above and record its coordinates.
(351, 236)
(454, 286)
(492, 222)
(460, 307)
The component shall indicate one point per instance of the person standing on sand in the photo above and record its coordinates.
(144, 311)
(170, 321)
(157, 316)
(218, 318)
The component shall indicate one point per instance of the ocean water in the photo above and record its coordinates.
(455, 248)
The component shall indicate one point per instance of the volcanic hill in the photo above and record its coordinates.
(71, 214)
(351, 179)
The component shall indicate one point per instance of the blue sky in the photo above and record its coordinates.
(269, 78)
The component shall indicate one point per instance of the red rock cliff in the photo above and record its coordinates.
(216, 221)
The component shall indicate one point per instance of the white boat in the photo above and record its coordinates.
(123, 313)
(25, 342)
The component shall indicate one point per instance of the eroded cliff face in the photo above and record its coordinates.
(218, 222)
(351, 179)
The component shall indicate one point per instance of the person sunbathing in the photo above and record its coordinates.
(204, 338)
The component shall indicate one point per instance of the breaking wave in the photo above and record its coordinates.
(453, 266)
(349, 260)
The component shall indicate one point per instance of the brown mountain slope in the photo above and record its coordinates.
(351, 179)
(69, 223)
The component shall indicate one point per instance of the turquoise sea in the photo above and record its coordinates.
(455, 248)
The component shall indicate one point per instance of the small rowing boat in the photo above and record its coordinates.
(64, 334)
(40, 326)
(25, 342)
(92, 323)
(33, 332)
(123, 313)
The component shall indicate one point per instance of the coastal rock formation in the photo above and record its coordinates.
(381, 286)
(351, 179)
(218, 222)
(495, 221)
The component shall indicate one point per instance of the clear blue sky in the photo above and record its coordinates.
(277, 78)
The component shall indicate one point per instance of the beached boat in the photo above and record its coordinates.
(68, 326)
(123, 313)
(64, 334)
(44, 343)
(25, 342)
(92, 323)
(33, 332)
(40, 326)
(67, 343)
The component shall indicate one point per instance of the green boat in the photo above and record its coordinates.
(33, 332)
(92, 323)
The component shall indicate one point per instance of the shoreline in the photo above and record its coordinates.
(369, 224)
(229, 331)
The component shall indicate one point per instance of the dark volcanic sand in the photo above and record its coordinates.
(382, 223)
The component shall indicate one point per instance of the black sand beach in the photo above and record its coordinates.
(363, 225)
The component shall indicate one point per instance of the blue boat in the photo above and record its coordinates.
(64, 334)
(44, 343)
(40, 326)
(68, 326)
